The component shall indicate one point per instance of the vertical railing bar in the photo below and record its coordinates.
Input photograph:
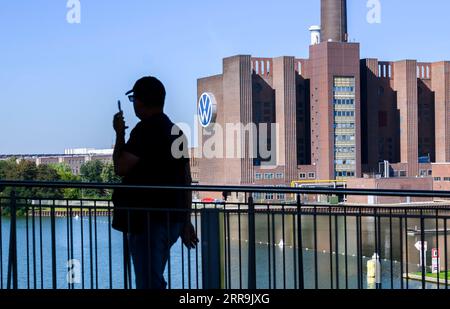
(345, 247)
(422, 238)
(82, 244)
(251, 244)
(53, 239)
(225, 247)
(406, 249)
(27, 240)
(375, 221)
(110, 246)
(41, 245)
(316, 266)
(33, 227)
(196, 248)
(379, 249)
(446, 253)
(95, 244)
(68, 238)
(437, 248)
(189, 262)
(91, 255)
(358, 249)
(295, 248)
(1, 244)
(402, 285)
(12, 257)
(71, 238)
(240, 245)
(283, 236)
(268, 247)
(301, 278)
(227, 214)
(391, 257)
(330, 238)
(336, 245)
(274, 265)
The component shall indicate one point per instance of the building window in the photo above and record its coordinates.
(302, 175)
(312, 175)
(402, 173)
(437, 178)
(279, 176)
(268, 176)
(446, 178)
(258, 176)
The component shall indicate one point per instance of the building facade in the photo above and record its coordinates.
(337, 116)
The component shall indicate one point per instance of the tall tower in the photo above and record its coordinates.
(335, 97)
(334, 20)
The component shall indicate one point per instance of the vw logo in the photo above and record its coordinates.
(206, 109)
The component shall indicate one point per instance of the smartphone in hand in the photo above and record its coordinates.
(119, 105)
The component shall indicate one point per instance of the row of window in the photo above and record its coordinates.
(269, 196)
(344, 101)
(311, 175)
(441, 179)
(344, 149)
(344, 138)
(259, 176)
(345, 162)
(345, 174)
(350, 125)
(344, 89)
(344, 113)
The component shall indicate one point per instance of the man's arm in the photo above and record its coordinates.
(124, 161)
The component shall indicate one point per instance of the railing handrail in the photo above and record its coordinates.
(242, 189)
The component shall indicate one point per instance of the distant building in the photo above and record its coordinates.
(74, 158)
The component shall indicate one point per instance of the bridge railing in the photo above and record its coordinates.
(51, 243)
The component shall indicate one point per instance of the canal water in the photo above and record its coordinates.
(97, 258)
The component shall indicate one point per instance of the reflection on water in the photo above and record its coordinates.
(329, 255)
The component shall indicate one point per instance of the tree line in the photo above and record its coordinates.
(90, 171)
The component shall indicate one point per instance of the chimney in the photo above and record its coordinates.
(334, 20)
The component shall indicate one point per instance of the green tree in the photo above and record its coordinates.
(109, 176)
(91, 171)
(65, 174)
(28, 171)
(5, 171)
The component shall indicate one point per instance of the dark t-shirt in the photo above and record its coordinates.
(152, 141)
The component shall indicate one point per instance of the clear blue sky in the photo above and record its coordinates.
(59, 82)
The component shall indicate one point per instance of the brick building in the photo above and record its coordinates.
(338, 116)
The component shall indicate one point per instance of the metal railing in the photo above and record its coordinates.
(60, 243)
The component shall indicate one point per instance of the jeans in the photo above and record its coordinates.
(150, 251)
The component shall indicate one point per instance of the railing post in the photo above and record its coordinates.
(212, 260)
(12, 259)
(53, 240)
(300, 244)
(251, 245)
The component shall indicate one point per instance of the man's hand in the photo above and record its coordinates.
(119, 124)
(188, 236)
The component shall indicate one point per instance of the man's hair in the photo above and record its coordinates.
(150, 91)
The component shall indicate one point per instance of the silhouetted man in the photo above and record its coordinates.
(148, 159)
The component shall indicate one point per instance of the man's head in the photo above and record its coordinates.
(148, 96)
